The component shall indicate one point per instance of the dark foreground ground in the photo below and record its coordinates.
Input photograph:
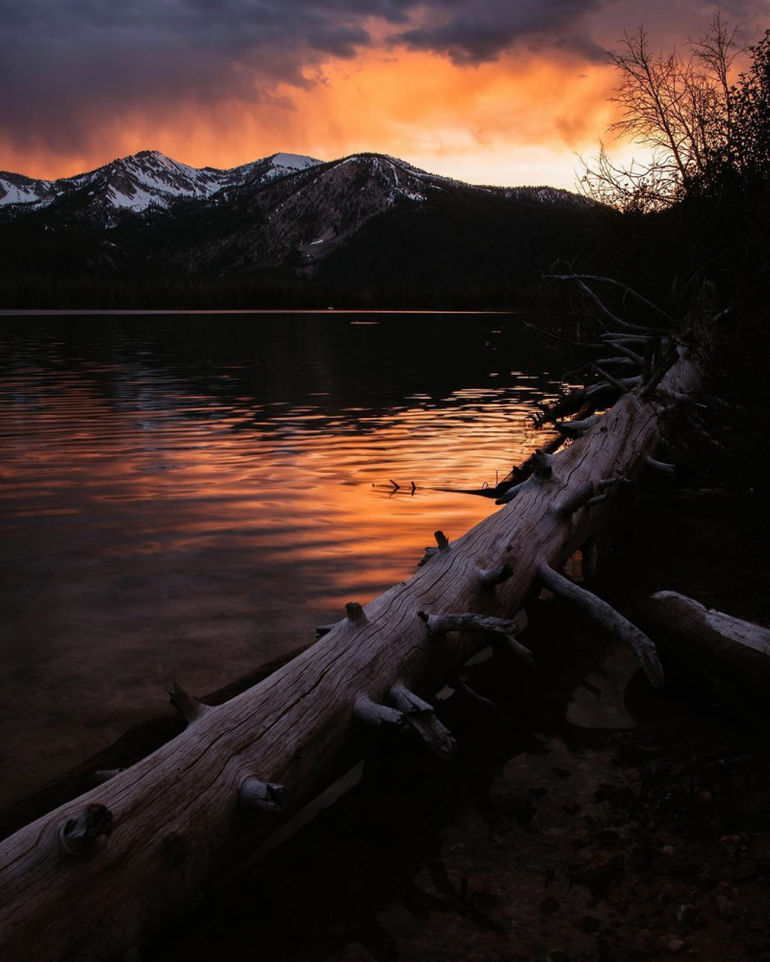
(597, 820)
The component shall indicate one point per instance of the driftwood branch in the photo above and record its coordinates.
(621, 386)
(653, 308)
(609, 618)
(580, 282)
(732, 649)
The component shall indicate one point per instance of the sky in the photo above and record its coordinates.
(503, 92)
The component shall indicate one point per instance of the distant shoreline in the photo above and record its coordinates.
(148, 312)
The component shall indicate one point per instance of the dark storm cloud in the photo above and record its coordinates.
(67, 64)
(478, 31)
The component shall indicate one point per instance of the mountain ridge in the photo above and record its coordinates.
(146, 178)
(354, 229)
(168, 178)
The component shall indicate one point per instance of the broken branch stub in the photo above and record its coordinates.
(575, 500)
(506, 628)
(577, 428)
(422, 717)
(662, 467)
(375, 715)
(190, 708)
(442, 544)
(490, 577)
(263, 796)
(469, 621)
(355, 613)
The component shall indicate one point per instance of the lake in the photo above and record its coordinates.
(186, 496)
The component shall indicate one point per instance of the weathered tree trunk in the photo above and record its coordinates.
(96, 875)
(734, 650)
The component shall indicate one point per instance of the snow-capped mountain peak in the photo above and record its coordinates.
(147, 179)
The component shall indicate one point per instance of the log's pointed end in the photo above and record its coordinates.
(519, 651)
(652, 668)
(445, 748)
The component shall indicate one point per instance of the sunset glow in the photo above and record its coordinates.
(472, 90)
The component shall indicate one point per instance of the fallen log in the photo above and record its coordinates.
(94, 877)
(733, 650)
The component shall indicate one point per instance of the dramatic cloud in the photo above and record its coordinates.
(480, 30)
(224, 81)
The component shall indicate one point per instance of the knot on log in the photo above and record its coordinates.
(490, 577)
(262, 796)
(78, 836)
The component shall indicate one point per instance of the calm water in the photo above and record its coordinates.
(185, 497)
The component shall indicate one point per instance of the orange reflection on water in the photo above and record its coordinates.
(154, 533)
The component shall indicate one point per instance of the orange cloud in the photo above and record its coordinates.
(511, 121)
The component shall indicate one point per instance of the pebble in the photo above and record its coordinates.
(674, 944)
(727, 909)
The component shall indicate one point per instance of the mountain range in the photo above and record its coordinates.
(363, 229)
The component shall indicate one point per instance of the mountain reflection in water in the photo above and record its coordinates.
(185, 497)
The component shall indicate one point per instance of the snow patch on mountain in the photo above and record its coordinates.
(17, 189)
(292, 161)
